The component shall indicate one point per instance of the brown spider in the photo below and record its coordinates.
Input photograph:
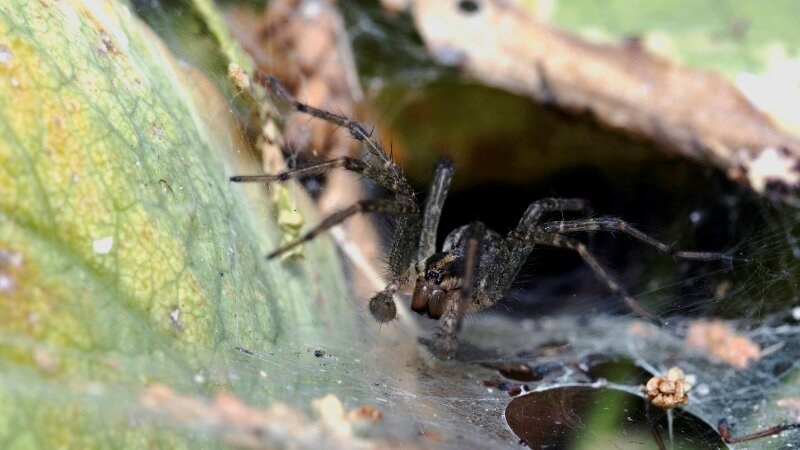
(476, 266)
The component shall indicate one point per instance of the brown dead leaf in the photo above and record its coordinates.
(697, 114)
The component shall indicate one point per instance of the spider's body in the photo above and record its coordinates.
(476, 266)
(444, 271)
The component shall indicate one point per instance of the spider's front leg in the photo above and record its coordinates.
(381, 305)
(445, 285)
(444, 342)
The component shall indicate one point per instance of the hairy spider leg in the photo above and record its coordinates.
(510, 257)
(537, 209)
(384, 172)
(403, 268)
(444, 341)
(392, 180)
(364, 206)
(613, 224)
(352, 164)
(357, 131)
(560, 241)
(433, 209)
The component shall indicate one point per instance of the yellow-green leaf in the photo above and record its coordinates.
(126, 258)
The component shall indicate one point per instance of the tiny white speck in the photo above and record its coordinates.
(175, 314)
(702, 390)
(695, 216)
(199, 378)
(14, 258)
(6, 283)
(796, 313)
(338, 381)
(262, 374)
(5, 54)
(103, 245)
(14, 82)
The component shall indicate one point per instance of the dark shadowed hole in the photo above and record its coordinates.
(585, 417)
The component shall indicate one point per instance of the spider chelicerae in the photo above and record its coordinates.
(476, 265)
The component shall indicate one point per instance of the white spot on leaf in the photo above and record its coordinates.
(5, 54)
(103, 246)
(6, 283)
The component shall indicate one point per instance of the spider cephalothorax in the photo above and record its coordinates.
(476, 266)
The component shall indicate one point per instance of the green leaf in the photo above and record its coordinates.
(725, 36)
(126, 258)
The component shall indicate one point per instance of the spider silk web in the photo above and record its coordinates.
(460, 404)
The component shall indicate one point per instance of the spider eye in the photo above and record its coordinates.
(434, 275)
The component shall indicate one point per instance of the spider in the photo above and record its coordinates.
(476, 266)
